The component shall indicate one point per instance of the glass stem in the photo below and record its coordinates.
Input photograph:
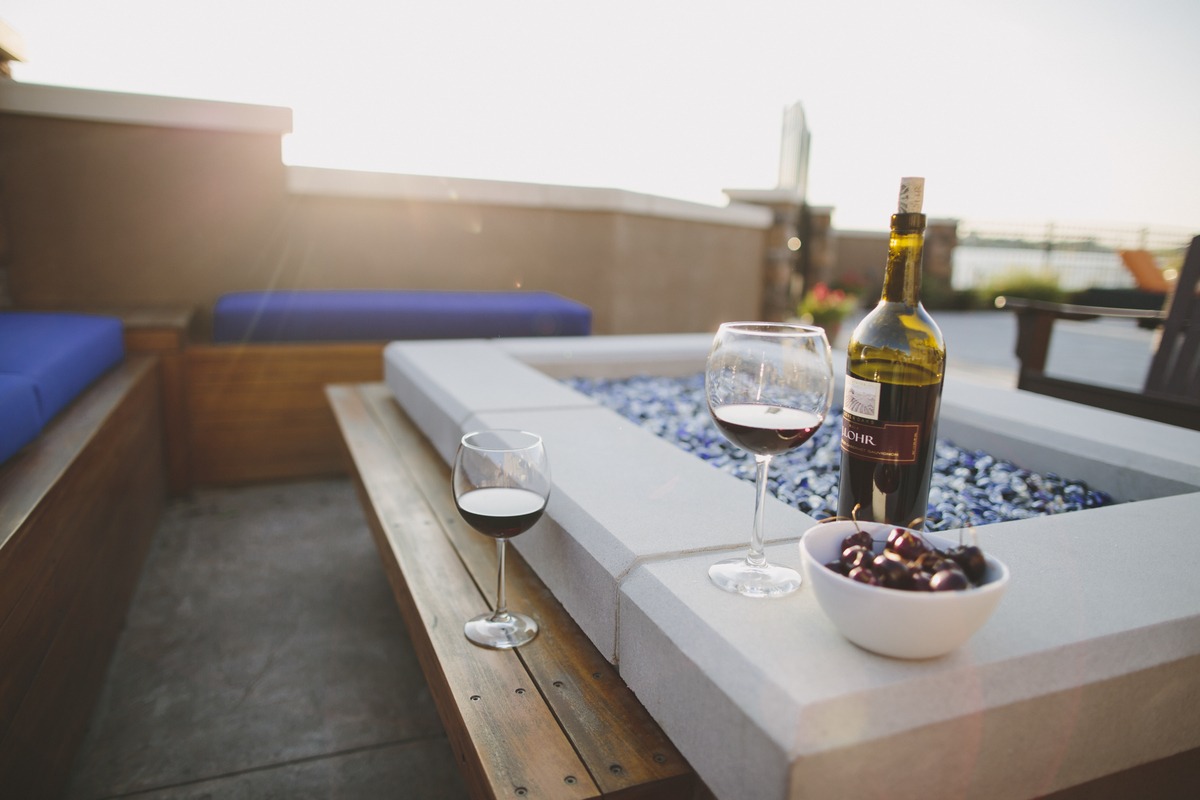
(501, 611)
(756, 557)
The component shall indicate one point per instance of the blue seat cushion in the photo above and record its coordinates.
(20, 420)
(62, 354)
(299, 316)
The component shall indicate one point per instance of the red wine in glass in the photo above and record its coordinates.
(501, 512)
(766, 430)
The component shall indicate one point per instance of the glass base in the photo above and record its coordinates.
(502, 632)
(741, 577)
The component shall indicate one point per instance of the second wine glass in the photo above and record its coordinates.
(501, 484)
(769, 386)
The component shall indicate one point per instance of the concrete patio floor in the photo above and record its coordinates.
(264, 656)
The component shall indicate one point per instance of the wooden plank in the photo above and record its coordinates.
(625, 753)
(514, 748)
(258, 412)
(246, 451)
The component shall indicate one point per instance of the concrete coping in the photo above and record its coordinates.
(1090, 665)
(389, 185)
(177, 112)
(141, 109)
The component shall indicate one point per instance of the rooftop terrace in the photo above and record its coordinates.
(292, 678)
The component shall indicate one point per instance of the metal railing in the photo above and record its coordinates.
(1078, 257)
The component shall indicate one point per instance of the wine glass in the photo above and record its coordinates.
(501, 484)
(769, 386)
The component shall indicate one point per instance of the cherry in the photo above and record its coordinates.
(918, 581)
(858, 538)
(971, 560)
(905, 544)
(938, 562)
(890, 571)
(863, 575)
(856, 556)
(949, 580)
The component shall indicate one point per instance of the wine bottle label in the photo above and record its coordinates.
(890, 443)
(861, 398)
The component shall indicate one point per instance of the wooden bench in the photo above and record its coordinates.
(78, 508)
(256, 407)
(552, 719)
(1172, 390)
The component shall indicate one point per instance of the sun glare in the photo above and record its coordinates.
(654, 99)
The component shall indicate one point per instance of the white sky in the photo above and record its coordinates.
(1013, 110)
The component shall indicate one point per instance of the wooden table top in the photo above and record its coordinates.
(552, 719)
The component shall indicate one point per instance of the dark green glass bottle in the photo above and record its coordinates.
(896, 360)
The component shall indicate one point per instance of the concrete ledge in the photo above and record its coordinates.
(140, 109)
(385, 185)
(1088, 666)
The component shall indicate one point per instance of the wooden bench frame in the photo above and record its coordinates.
(78, 508)
(552, 719)
(257, 412)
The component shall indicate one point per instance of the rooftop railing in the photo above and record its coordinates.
(1078, 256)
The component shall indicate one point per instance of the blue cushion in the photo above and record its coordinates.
(297, 316)
(61, 353)
(20, 421)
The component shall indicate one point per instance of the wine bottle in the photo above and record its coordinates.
(896, 360)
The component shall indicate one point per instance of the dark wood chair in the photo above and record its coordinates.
(1172, 390)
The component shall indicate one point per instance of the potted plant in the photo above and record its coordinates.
(826, 308)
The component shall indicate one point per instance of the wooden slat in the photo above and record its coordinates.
(258, 412)
(622, 751)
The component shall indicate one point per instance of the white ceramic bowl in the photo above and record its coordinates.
(894, 622)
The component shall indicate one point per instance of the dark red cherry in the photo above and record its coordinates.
(837, 566)
(856, 556)
(918, 581)
(891, 573)
(971, 559)
(949, 580)
(906, 544)
(863, 575)
(938, 563)
(858, 539)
